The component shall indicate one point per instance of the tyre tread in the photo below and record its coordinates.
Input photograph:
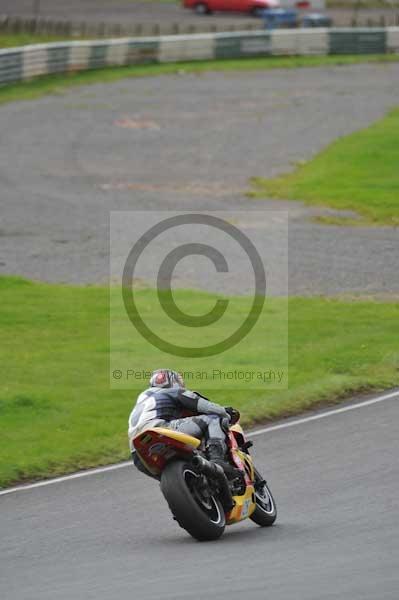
(184, 508)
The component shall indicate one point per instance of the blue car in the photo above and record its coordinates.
(316, 20)
(280, 18)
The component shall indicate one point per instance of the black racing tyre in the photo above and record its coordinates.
(201, 8)
(265, 512)
(201, 517)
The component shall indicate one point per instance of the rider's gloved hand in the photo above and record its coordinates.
(225, 423)
(233, 413)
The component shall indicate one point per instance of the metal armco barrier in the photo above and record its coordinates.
(21, 64)
(358, 41)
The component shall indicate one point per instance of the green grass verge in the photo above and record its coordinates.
(58, 413)
(359, 172)
(12, 40)
(59, 84)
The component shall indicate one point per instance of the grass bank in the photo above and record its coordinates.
(59, 84)
(359, 172)
(13, 40)
(58, 413)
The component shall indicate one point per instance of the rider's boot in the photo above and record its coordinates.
(216, 450)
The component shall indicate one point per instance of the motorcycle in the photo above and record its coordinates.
(202, 499)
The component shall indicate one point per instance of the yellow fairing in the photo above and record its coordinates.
(176, 435)
(247, 460)
(244, 507)
(245, 504)
(157, 445)
(237, 427)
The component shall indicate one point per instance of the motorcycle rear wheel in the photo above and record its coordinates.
(202, 517)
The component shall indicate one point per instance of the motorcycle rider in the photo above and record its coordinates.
(164, 404)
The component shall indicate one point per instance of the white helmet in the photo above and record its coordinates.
(164, 378)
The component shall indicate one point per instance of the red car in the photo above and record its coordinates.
(254, 7)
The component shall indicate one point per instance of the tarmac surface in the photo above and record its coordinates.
(189, 142)
(110, 535)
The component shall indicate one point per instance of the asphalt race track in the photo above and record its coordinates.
(187, 142)
(110, 535)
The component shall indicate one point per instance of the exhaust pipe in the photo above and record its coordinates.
(216, 472)
(207, 468)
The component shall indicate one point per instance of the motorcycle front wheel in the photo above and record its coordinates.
(265, 512)
(192, 504)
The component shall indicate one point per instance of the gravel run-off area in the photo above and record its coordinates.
(189, 142)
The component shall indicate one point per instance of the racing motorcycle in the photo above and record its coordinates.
(202, 499)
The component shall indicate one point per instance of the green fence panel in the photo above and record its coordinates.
(373, 42)
(11, 66)
(142, 52)
(98, 56)
(227, 47)
(259, 45)
(57, 59)
(242, 45)
(358, 42)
